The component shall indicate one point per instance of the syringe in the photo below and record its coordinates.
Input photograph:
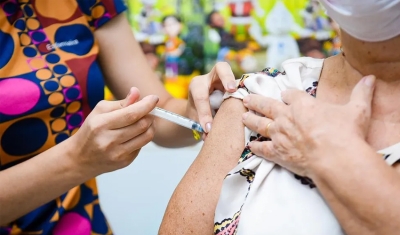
(178, 119)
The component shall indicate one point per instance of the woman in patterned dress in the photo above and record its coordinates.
(56, 133)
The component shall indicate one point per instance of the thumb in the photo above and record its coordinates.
(131, 98)
(364, 90)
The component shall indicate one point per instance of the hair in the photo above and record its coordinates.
(308, 44)
(177, 18)
(209, 17)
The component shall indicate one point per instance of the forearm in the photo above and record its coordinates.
(358, 186)
(37, 181)
(125, 66)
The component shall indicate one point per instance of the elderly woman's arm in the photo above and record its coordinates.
(360, 188)
(191, 208)
(327, 144)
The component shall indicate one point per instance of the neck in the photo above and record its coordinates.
(381, 59)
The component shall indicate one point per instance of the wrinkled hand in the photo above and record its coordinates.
(220, 78)
(113, 133)
(306, 129)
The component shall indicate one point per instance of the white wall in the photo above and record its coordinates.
(134, 199)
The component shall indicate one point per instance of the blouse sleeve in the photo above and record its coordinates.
(391, 155)
(99, 12)
(300, 73)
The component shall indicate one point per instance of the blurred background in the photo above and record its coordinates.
(182, 39)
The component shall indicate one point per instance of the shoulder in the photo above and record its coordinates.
(99, 12)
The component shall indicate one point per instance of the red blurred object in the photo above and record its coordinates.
(241, 9)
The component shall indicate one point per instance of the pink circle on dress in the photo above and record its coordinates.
(18, 96)
(72, 223)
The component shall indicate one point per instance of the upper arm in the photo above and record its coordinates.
(193, 203)
(124, 63)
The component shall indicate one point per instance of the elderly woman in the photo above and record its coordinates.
(323, 165)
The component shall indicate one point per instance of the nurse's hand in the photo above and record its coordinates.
(113, 134)
(220, 78)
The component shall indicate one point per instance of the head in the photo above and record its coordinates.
(172, 25)
(367, 20)
(215, 20)
(311, 48)
(369, 31)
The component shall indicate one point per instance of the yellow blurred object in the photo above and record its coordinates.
(231, 55)
(327, 46)
(196, 135)
(160, 50)
(179, 88)
(243, 53)
(107, 94)
(252, 45)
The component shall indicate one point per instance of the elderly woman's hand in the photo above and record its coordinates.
(201, 87)
(306, 128)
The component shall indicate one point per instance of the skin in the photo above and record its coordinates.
(196, 196)
(217, 20)
(368, 117)
(114, 132)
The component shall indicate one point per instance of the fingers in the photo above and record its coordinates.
(127, 133)
(262, 125)
(131, 98)
(105, 106)
(223, 71)
(363, 92)
(220, 78)
(131, 114)
(139, 141)
(263, 149)
(292, 95)
(200, 95)
(268, 107)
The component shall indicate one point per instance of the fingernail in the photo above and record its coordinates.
(245, 115)
(155, 98)
(231, 85)
(250, 145)
(369, 80)
(246, 100)
(208, 127)
(129, 93)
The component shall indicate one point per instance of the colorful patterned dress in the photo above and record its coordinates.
(49, 82)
